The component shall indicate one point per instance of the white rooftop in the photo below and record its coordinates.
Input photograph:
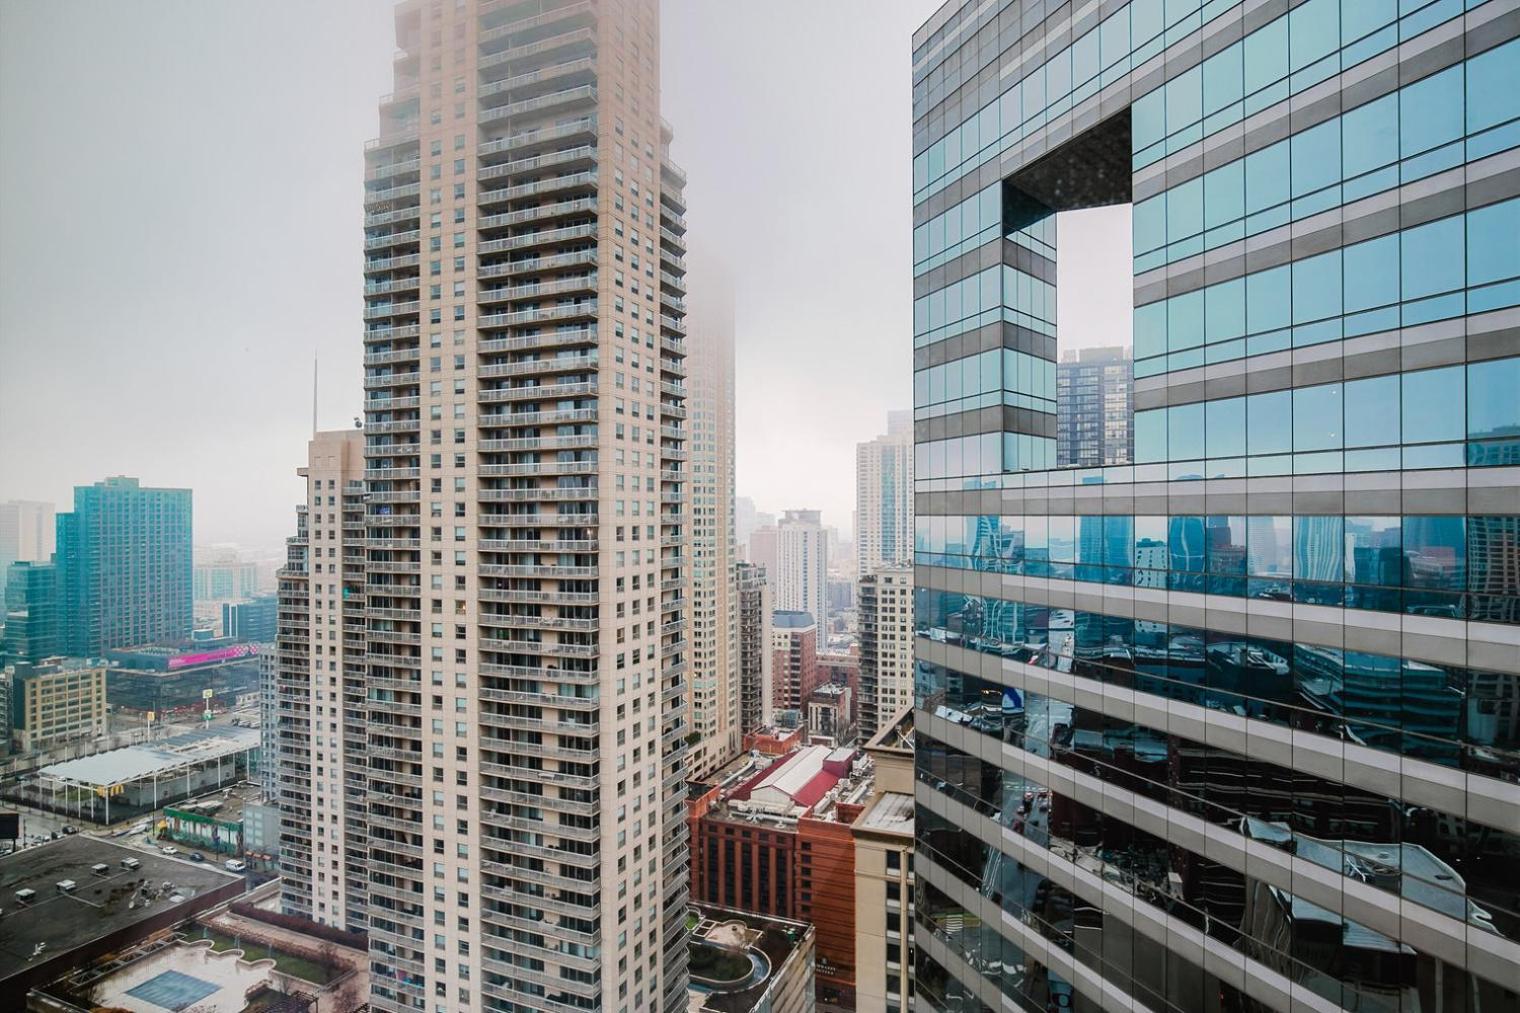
(130, 763)
(790, 777)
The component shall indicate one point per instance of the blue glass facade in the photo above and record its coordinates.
(1236, 726)
(124, 562)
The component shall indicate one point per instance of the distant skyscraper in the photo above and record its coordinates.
(224, 576)
(31, 613)
(27, 533)
(763, 550)
(754, 669)
(1094, 408)
(886, 646)
(324, 704)
(713, 696)
(124, 561)
(252, 620)
(802, 565)
(745, 521)
(884, 497)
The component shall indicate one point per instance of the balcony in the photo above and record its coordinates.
(398, 192)
(389, 170)
(392, 239)
(585, 66)
(585, 153)
(579, 36)
(585, 126)
(579, 309)
(553, 392)
(537, 265)
(580, 206)
(501, 420)
(554, 184)
(579, 283)
(519, 26)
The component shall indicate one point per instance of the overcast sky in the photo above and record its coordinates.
(181, 215)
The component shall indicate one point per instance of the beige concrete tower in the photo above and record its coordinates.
(714, 697)
(320, 704)
(886, 646)
(525, 438)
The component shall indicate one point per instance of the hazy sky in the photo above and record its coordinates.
(181, 215)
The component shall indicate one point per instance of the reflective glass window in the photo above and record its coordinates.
(1493, 398)
(1372, 274)
(1185, 432)
(1431, 112)
(1374, 550)
(1225, 427)
(1319, 548)
(1493, 241)
(1434, 405)
(1269, 422)
(1493, 87)
(1317, 417)
(1370, 135)
(1433, 258)
(1372, 411)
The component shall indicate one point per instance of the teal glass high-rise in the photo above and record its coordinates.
(124, 563)
(1235, 727)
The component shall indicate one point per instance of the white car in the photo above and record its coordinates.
(170, 850)
(235, 865)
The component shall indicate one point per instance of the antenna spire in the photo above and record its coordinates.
(314, 394)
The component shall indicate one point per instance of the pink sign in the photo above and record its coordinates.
(207, 657)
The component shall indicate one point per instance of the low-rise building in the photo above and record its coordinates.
(772, 836)
(745, 963)
(828, 715)
(69, 902)
(55, 701)
(171, 680)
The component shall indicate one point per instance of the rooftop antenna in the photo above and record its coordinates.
(314, 394)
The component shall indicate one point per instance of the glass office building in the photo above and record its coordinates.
(1235, 726)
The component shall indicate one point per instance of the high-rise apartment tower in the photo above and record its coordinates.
(886, 646)
(124, 561)
(1227, 728)
(753, 614)
(526, 464)
(884, 497)
(327, 708)
(1094, 408)
(713, 699)
(27, 532)
(801, 581)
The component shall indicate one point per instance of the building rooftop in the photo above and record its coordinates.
(54, 922)
(801, 779)
(897, 733)
(888, 812)
(131, 763)
(785, 620)
(769, 943)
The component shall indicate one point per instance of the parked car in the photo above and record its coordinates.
(70, 829)
(170, 849)
(196, 856)
(235, 865)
